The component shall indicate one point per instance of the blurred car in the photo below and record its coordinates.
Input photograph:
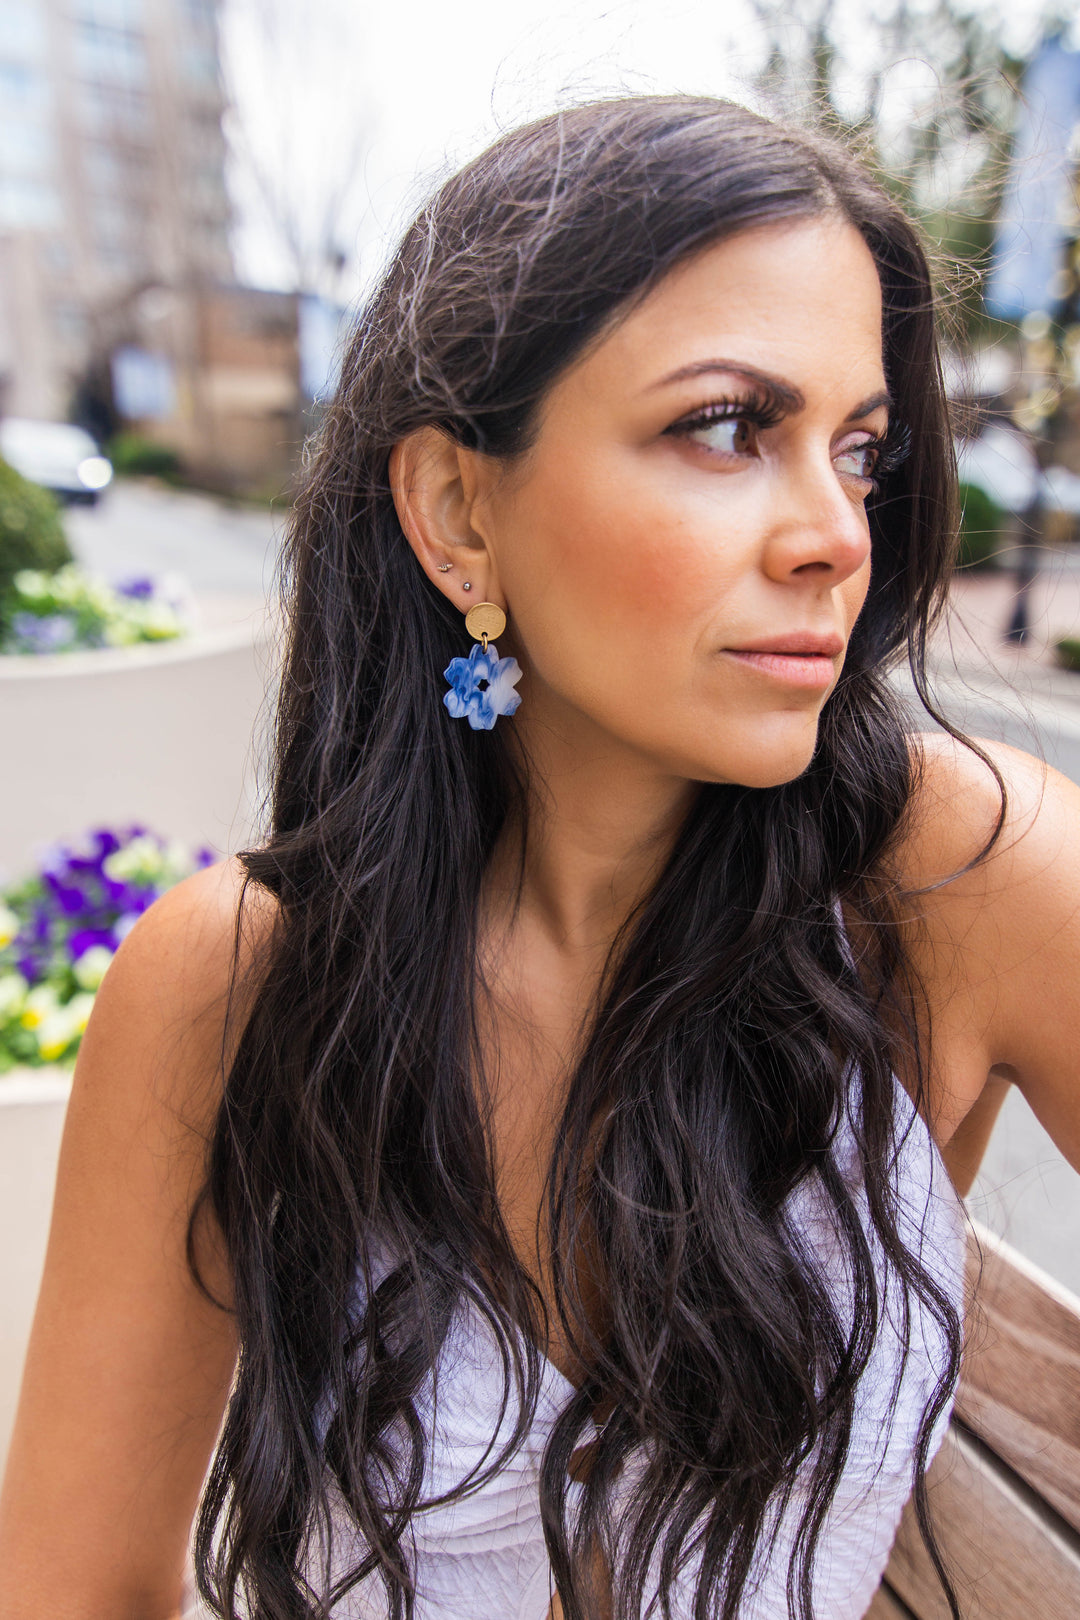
(57, 455)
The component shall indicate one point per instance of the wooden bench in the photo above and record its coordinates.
(1005, 1488)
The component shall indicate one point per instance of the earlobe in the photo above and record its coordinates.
(433, 508)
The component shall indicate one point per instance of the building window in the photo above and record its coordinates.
(69, 322)
(103, 167)
(22, 28)
(114, 109)
(25, 147)
(24, 89)
(128, 14)
(111, 55)
(27, 204)
(201, 65)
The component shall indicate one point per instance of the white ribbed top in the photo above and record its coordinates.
(483, 1558)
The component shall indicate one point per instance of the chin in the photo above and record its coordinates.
(765, 762)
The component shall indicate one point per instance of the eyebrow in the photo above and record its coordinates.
(787, 396)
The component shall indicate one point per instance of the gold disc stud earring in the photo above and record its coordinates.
(484, 621)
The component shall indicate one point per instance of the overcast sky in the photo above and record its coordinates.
(389, 94)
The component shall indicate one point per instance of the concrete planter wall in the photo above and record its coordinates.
(164, 735)
(32, 1106)
(155, 734)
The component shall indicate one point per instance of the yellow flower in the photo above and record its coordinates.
(160, 623)
(78, 1012)
(53, 1038)
(42, 1004)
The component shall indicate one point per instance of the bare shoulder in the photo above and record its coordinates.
(981, 810)
(177, 991)
(988, 869)
(133, 1346)
(989, 860)
(190, 936)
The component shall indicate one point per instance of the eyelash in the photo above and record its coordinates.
(891, 447)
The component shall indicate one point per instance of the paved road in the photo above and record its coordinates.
(227, 553)
(1026, 1192)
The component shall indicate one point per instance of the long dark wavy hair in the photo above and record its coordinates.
(717, 1060)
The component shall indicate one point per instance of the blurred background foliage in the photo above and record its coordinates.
(927, 93)
(31, 532)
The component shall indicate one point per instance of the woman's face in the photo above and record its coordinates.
(685, 549)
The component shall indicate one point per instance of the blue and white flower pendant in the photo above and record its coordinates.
(482, 686)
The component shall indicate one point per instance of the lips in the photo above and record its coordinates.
(802, 658)
(797, 644)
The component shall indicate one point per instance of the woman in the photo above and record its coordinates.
(521, 1120)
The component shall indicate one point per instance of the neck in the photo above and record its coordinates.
(602, 822)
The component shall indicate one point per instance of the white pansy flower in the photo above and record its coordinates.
(140, 861)
(67, 584)
(9, 924)
(63, 1027)
(31, 583)
(90, 969)
(78, 1012)
(13, 988)
(120, 632)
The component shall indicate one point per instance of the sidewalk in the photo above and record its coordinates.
(971, 640)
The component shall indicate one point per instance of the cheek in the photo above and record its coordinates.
(619, 565)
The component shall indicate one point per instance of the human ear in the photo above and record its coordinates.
(435, 485)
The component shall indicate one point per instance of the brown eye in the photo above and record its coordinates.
(731, 435)
(857, 460)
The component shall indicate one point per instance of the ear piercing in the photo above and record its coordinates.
(444, 568)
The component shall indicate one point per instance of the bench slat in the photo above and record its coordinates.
(1022, 1373)
(1009, 1556)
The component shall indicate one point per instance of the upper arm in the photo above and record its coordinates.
(129, 1364)
(998, 946)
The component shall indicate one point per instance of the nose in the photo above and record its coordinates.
(818, 529)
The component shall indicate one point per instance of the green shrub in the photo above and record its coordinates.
(135, 456)
(981, 521)
(31, 534)
(1068, 653)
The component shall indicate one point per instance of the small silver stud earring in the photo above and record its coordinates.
(466, 586)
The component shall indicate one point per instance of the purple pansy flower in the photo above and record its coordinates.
(482, 687)
(85, 938)
(51, 632)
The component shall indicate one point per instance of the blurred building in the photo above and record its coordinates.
(112, 185)
(117, 300)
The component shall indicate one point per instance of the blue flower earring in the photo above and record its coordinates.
(482, 685)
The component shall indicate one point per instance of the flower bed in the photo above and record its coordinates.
(60, 927)
(70, 611)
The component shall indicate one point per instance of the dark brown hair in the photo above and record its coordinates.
(718, 1060)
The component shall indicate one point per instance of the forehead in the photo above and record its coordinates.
(799, 298)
